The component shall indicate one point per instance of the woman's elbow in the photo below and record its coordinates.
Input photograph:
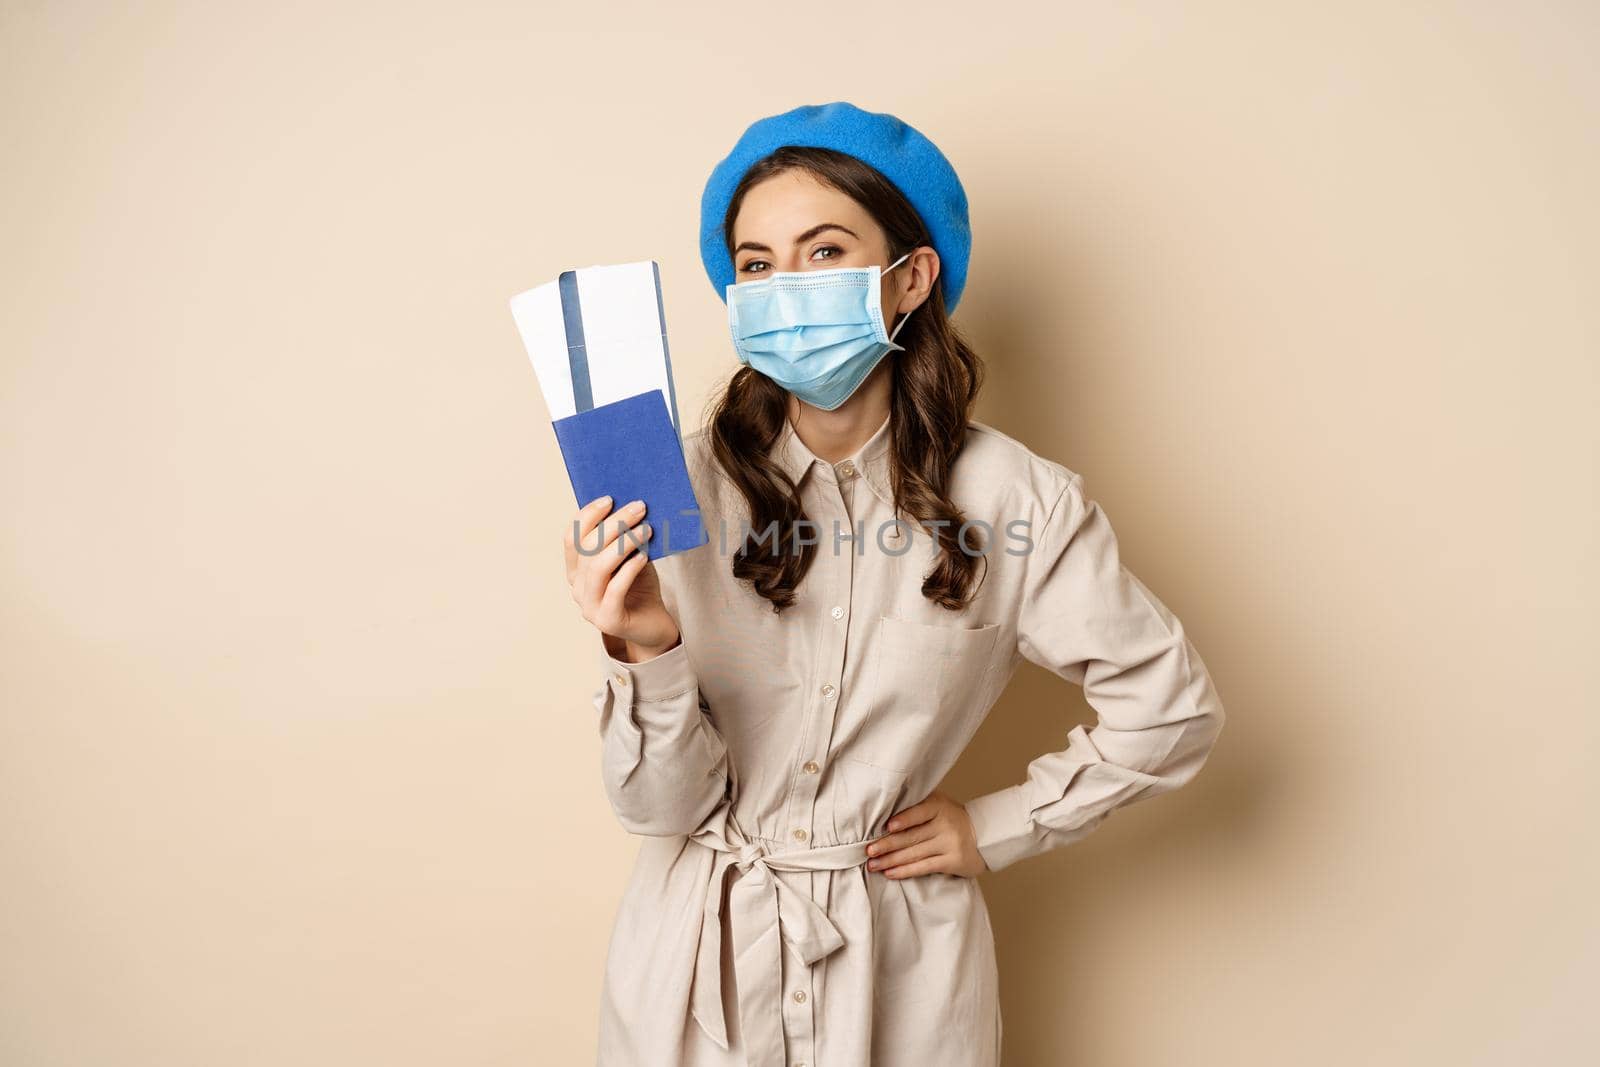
(1200, 735)
(667, 809)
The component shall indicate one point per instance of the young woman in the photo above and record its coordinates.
(781, 703)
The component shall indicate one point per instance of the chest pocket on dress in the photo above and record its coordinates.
(927, 681)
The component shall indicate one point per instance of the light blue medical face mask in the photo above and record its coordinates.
(817, 333)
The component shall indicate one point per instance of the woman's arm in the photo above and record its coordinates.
(1088, 619)
(664, 765)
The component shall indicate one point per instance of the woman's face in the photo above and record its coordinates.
(793, 222)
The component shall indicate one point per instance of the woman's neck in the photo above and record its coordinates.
(833, 435)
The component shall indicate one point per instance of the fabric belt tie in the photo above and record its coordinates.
(764, 913)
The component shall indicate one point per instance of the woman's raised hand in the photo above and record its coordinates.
(613, 581)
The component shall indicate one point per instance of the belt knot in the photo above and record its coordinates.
(764, 914)
(749, 854)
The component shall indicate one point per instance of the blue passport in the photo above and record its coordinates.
(630, 450)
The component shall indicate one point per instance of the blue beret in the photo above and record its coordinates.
(909, 160)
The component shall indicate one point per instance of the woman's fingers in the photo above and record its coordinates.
(933, 845)
(915, 815)
(931, 865)
(605, 549)
(621, 546)
(924, 838)
(615, 598)
(905, 838)
(605, 554)
(578, 530)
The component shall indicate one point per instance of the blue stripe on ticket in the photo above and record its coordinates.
(577, 353)
(661, 312)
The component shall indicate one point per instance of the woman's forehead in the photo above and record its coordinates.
(777, 210)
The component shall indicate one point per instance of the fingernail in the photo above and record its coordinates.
(603, 499)
(635, 506)
(644, 529)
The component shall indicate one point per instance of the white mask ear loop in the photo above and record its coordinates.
(899, 324)
(907, 315)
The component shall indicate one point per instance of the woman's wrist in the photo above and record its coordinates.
(636, 653)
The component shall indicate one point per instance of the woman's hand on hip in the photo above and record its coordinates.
(613, 581)
(935, 835)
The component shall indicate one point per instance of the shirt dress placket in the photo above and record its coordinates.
(835, 567)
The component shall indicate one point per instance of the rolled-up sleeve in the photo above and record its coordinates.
(664, 764)
(1088, 619)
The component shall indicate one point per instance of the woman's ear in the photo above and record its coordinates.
(923, 270)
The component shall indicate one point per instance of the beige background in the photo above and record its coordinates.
(297, 760)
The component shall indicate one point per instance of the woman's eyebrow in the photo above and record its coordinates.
(802, 239)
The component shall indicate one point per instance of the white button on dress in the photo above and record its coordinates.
(750, 885)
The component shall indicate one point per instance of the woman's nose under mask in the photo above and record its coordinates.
(818, 334)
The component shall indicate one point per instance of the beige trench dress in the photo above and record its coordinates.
(761, 755)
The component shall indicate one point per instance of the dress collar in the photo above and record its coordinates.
(870, 461)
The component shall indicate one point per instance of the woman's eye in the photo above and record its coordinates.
(834, 250)
(755, 266)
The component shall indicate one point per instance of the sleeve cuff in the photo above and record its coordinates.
(1000, 821)
(658, 678)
